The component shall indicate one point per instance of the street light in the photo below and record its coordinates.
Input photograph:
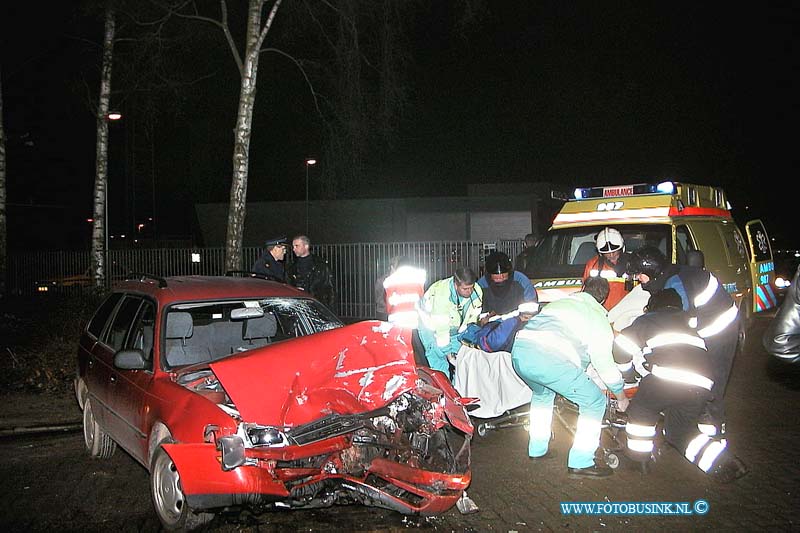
(111, 116)
(309, 162)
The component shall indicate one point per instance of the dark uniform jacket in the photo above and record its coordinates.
(318, 280)
(664, 338)
(268, 266)
(702, 295)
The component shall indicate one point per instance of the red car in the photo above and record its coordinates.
(239, 392)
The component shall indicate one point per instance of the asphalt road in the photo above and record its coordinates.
(49, 483)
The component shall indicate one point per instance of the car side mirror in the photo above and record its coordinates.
(130, 360)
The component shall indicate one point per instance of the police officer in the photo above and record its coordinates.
(677, 380)
(270, 264)
(310, 272)
(712, 310)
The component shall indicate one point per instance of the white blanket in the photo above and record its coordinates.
(490, 377)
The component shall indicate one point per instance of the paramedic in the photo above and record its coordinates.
(712, 310)
(663, 347)
(448, 306)
(551, 354)
(609, 263)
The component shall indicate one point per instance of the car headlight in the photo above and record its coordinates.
(266, 436)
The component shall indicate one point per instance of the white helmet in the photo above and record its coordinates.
(609, 240)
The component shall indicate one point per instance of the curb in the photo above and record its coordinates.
(33, 430)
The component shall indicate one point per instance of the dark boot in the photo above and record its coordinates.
(728, 469)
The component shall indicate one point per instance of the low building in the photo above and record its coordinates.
(487, 213)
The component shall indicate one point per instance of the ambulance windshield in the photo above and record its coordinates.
(564, 252)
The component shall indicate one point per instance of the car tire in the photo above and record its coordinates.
(169, 501)
(97, 441)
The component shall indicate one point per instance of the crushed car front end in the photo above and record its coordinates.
(358, 423)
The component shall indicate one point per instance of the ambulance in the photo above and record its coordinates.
(676, 218)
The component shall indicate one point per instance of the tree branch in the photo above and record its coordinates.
(267, 24)
(221, 24)
(305, 76)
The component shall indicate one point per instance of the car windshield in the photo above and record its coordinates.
(197, 332)
(564, 252)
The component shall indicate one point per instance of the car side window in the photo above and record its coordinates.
(123, 321)
(142, 335)
(98, 321)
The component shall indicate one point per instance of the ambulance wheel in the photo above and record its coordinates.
(481, 429)
(612, 460)
(745, 321)
(741, 340)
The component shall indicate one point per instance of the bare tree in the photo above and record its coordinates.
(260, 16)
(99, 228)
(3, 226)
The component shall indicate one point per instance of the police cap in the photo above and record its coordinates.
(277, 241)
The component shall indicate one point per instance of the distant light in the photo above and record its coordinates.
(122, 236)
(666, 187)
(311, 162)
(195, 257)
(89, 220)
(578, 194)
(140, 227)
(114, 115)
(797, 254)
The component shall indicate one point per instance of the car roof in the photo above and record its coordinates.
(188, 288)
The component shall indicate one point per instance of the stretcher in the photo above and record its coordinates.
(504, 399)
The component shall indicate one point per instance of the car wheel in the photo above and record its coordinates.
(97, 441)
(169, 500)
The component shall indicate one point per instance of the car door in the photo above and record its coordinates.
(130, 397)
(113, 340)
(92, 365)
(762, 267)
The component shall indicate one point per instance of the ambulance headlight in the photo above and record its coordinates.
(666, 187)
(578, 194)
(782, 283)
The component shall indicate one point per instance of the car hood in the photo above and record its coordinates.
(347, 370)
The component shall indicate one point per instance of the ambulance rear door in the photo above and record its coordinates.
(762, 268)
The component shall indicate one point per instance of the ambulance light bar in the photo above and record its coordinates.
(665, 187)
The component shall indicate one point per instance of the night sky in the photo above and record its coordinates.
(588, 93)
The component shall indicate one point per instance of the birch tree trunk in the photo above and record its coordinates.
(256, 32)
(3, 226)
(100, 226)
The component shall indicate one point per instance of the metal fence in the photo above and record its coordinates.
(356, 266)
